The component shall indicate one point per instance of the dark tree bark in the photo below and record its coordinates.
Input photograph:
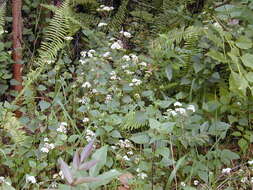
(17, 40)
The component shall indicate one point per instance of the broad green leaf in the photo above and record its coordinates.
(249, 76)
(217, 56)
(44, 105)
(101, 156)
(243, 42)
(243, 144)
(238, 84)
(105, 178)
(247, 60)
(140, 138)
(154, 124)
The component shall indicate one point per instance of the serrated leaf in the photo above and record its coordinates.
(44, 105)
(243, 42)
(140, 138)
(247, 60)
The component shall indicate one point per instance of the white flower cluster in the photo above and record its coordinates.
(126, 158)
(83, 100)
(101, 24)
(62, 127)
(124, 143)
(104, 8)
(226, 170)
(30, 179)
(140, 174)
(126, 34)
(114, 76)
(86, 85)
(117, 45)
(196, 182)
(180, 110)
(86, 120)
(108, 98)
(250, 162)
(89, 135)
(89, 53)
(2, 180)
(135, 82)
(47, 146)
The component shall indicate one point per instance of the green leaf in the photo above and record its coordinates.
(140, 138)
(44, 105)
(101, 156)
(154, 124)
(243, 144)
(217, 56)
(238, 84)
(247, 60)
(243, 42)
(105, 178)
(115, 134)
(249, 76)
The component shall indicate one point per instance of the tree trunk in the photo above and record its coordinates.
(16, 40)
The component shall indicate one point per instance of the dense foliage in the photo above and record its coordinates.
(160, 90)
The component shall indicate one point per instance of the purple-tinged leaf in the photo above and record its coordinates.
(76, 160)
(88, 165)
(66, 171)
(85, 180)
(87, 150)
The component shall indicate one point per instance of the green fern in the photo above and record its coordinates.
(134, 120)
(12, 126)
(2, 17)
(119, 18)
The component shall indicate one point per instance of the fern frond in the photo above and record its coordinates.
(2, 16)
(134, 120)
(12, 126)
(119, 17)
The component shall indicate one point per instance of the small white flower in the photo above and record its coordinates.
(30, 179)
(191, 108)
(82, 61)
(177, 104)
(61, 129)
(129, 72)
(183, 184)
(126, 34)
(142, 175)
(130, 153)
(196, 182)
(124, 66)
(182, 111)
(114, 77)
(83, 100)
(250, 162)
(44, 149)
(138, 170)
(143, 64)
(86, 85)
(106, 54)
(126, 58)
(46, 139)
(55, 176)
(68, 38)
(134, 58)
(101, 24)
(61, 174)
(94, 91)
(226, 170)
(126, 158)
(136, 81)
(217, 25)
(83, 53)
(105, 8)
(2, 179)
(117, 45)
(244, 179)
(63, 124)
(51, 146)
(114, 147)
(86, 119)
(251, 180)
(131, 84)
